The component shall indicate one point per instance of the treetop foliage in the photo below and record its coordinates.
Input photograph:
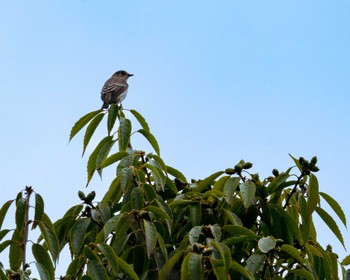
(152, 223)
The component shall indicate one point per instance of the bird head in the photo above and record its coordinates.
(123, 73)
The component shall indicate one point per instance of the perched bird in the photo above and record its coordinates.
(115, 88)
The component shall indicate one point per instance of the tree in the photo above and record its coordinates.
(154, 224)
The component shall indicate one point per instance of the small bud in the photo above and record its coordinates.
(305, 164)
(81, 195)
(275, 172)
(91, 196)
(247, 165)
(313, 161)
(230, 171)
(301, 160)
(314, 168)
(238, 167)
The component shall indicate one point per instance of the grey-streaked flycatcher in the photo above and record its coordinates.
(115, 88)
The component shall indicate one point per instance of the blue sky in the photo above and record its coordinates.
(217, 82)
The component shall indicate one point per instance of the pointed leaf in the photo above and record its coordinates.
(230, 188)
(3, 233)
(96, 270)
(16, 252)
(151, 237)
(194, 234)
(159, 213)
(140, 119)
(82, 122)
(313, 195)
(240, 269)
(76, 266)
(158, 176)
(137, 198)
(255, 262)
(196, 214)
(77, 234)
(335, 206)
(102, 155)
(331, 224)
(50, 238)
(297, 163)
(303, 274)
(116, 262)
(42, 257)
(346, 260)
(192, 267)
(293, 252)
(202, 185)
(90, 130)
(3, 211)
(151, 139)
(277, 182)
(247, 191)
(124, 133)
(39, 210)
(176, 173)
(112, 117)
(91, 166)
(167, 269)
(238, 230)
(233, 218)
(113, 158)
(20, 213)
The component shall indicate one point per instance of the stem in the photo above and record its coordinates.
(294, 189)
(28, 192)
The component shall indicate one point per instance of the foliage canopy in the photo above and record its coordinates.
(154, 224)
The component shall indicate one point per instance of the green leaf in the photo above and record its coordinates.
(3, 233)
(116, 262)
(77, 234)
(137, 198)
(90, 130)
(196, 214)
(151, 237)
(331, 224)
(102, 154)
(50, 238)
(112, 117)
(3, 211)
(96, 270)
(81, 123)
(91, 166)
(159, 213)
(205, 183)
(247, 191)
(127, 175)
(335, 206)
(5, 244)
(297, 163)
(216, 232)
(16, 252)
(158, 176)
(43, 272)
(219, 269)
(293, 252)
(238, 230)
(76, 266)
(124, 133)
(140, 119)
(41, 256)
(230, 188)
(346, 260)
(176, 173)
(192, 267)
(303, 274)
(113, 158)
(39, 210)
(255, 262)
(20, 213)
(233, 218)
(277, 182)
(313, 195)
(151, 139)
(240, 269)
(167, 270)
(194, 234)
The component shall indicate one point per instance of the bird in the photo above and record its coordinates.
(115, 88)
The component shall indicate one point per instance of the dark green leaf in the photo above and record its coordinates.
(112, 117)
(91, 166)
(176, 173)
(20, 213)
(42, 257)
(313, 195)
(151, 139)
(192, 267)
(96, 270)
(3, 211)
(124, 133)
(76, 266)
(335, 206)
(196, 214)
(255, 262)
(277, 182)
(77, 234)
(140, 119)
(102, 155)
(90, 130)
(293, 252)
(202, 185)
(137, 198)
(113, 158)
(50, 238)
(240, 269)
(151, 237)
(16, 251)
(39, 210)
(82, 122)
(230, 188)
(331, 224)
(167, 270)
(247, 191)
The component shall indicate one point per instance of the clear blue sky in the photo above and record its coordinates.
(217, 81)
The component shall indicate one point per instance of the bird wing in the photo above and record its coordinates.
(116, 87)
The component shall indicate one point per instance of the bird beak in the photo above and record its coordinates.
(130, 75)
